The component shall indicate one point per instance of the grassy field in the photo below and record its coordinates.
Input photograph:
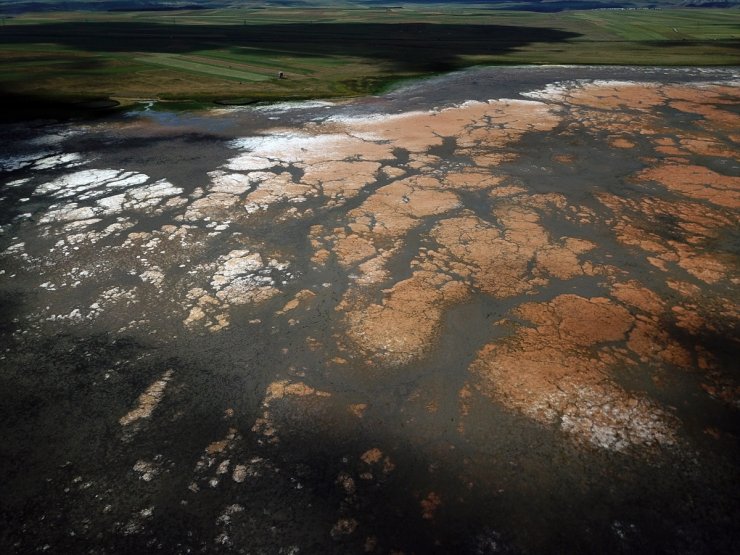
(237, 53)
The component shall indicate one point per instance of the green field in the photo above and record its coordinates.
(204, 66)
(210, 55)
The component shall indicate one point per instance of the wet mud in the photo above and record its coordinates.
(489, 312)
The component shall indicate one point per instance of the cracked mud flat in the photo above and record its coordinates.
(492, 312)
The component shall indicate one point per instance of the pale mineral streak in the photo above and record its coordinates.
(242, 277)
(148, 401)
(96, 185)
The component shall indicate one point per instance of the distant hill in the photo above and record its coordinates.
(19, 6)
(561, 5)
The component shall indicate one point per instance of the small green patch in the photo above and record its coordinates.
(177, 62)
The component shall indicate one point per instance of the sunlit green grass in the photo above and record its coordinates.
(185, 64)
(214, 54)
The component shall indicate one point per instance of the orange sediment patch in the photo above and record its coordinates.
(643, 222)
(708, 102)
(390, 331)
(343, 527)
(396, 208)
(283, 388)
(353, 248)
(496, 257)
(696, 182)
(429, 505)
(473, 179)
(419, 131)
(503, 260)
(634, 294)
(707, 147)
(340, 178)
(706, 266)
(301, 297)
(499, 258)
(621, 142)
(548, 372)
(566, 159)
(650, 342)
(371, 456)
(272, 188)
(577, 320)
(688, 318)
(358, 409)
(563, 261)
(384, 218)
(608, 96)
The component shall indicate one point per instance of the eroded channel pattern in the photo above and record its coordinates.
(347, 308)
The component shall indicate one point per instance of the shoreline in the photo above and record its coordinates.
(65, 108)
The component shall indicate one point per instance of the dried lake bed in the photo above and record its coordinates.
(489, 312)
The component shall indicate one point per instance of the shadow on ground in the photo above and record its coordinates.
(409, 46)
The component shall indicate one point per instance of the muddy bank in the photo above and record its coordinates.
(489, 312)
